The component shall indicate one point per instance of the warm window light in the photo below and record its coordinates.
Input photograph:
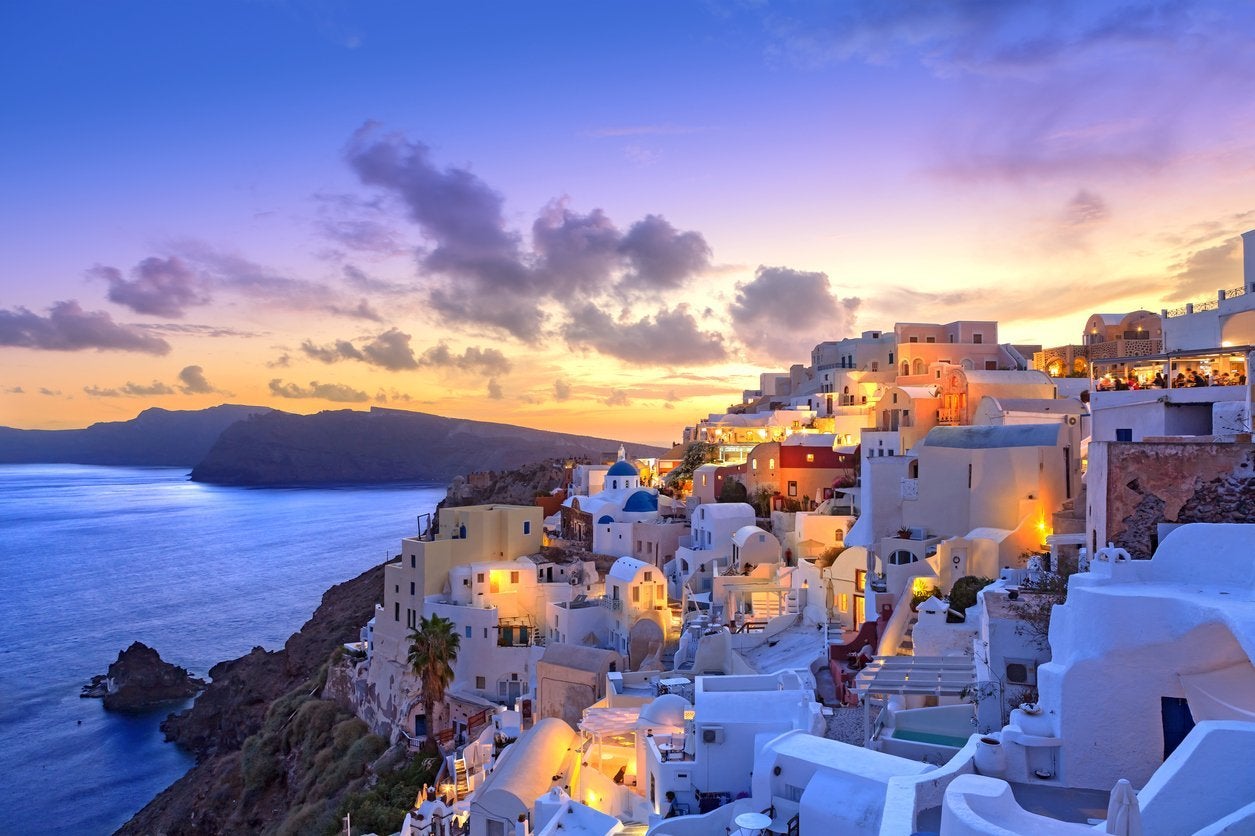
(690, 714)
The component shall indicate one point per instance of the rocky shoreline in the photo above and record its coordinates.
(211, 797)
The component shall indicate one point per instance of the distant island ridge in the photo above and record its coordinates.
(242, 445)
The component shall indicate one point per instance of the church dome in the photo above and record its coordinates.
(641, 501)
(622, 468)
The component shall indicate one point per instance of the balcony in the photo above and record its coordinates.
(950, 417)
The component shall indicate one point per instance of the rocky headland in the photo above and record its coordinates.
(140, 679)
(383, 446)
(154, 438)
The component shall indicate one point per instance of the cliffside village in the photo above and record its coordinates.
(926, 582)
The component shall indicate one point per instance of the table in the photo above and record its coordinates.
(753, 821)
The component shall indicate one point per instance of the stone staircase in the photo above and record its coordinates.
(907, 647)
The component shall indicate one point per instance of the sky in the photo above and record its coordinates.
(605, 218)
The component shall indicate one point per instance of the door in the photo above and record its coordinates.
(1177, 722)
(860, 611)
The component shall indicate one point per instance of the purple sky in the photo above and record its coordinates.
(588, 216)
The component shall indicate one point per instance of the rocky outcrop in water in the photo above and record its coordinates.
(211, 798)
(140, 679)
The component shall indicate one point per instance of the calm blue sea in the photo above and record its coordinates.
(93, 558)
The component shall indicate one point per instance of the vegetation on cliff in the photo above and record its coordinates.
(266, 748)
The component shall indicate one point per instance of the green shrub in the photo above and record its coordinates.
(963, 593)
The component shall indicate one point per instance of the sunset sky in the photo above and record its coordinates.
(599, 217)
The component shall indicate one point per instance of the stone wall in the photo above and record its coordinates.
(1176, 482)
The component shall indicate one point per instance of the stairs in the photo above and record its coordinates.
(907, 647)
(460, 780)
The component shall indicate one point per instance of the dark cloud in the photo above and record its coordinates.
(159, 287)
(488, 362)
(617, 397)
(660, 256)
(391, 350)
(481, 273)
(577, 253)
(782, 313)
(385, 396)
(334, 353)
(52, 393)
(281, 362)
(232, 273)
(561, 389)
(463, 218)
(194, 382)
(69, 328)
(494, 391)
(366, 283)
(1208, 269)
(15, 390)
(671, 337)
(336, 392)
(130, 390)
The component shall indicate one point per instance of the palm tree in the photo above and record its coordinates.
(433, 648)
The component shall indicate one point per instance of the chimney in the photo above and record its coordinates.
(1248, 260)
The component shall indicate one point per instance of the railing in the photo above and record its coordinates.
(1206, 305)
(611, 603)
(949, 416)
(1234, 291)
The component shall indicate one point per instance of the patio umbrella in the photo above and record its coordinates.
(1124, 816)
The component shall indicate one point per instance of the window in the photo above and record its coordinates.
(753, 464)
(810, 457)
(514, 578)
(527, 526)
(411, 587)
(901, 557)
(413, 561)
(771, 463)
(396, 611)
(930, 339)
(978, 338)
(481, 683)
(1124, 434)
(468, 631)
(649, 576)
(636, 595)
(860, 580)
(914, 339)
(875, 365)
(479, 577)
(991, 365)
(793, 489)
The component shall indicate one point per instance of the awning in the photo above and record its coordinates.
(938, 675)
(1224, 694)
(610, 721)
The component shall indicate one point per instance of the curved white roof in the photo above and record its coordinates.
(523, 775)
(666, 710)
(742, 534)
(625, 568)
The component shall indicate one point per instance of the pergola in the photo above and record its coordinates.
(940, 676)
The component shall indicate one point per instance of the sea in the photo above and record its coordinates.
(95, 558)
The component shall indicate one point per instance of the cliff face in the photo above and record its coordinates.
(381, 446)
(211, 798)
(154, 438)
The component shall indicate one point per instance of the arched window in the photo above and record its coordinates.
(912, 470)
(902, 557)
(918, 366)
(771, 463)
(906, 367)
(967, 364)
